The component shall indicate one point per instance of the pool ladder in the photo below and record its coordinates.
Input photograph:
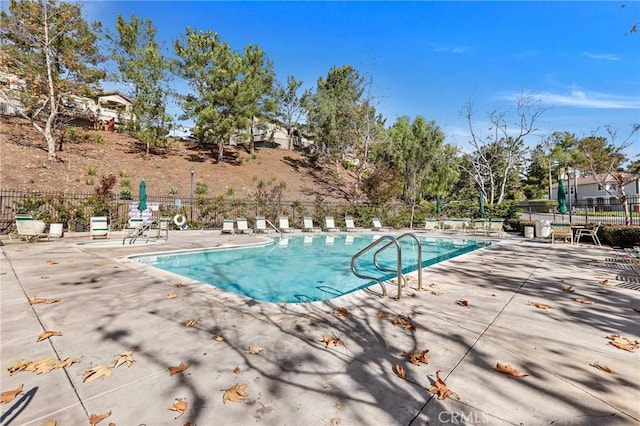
(391, 241)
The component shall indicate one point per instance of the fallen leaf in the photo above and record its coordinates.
(97, 418)
(433, 285)
(623, 343)
(441, 388)
(125, 357)
(399, 370)
(37, 300)
(383, 314)
(412, 295)
(51, 262)
(636, 310)
(8, 396)
(179, 406)
(49, 423)
(48, 333)
(436, 293)
(540, 305)
(341, 312)
(253, 350)
(95, 280)
(218, 338)
(95, 373)
(405, 322)
(462, 302)
(330, 341)
(235, 393)
(236, 370)
(191, 323)
(417, 358)
(42, 366)
(171, 296)
(68, 362)
(585, 301)
(602, 367)
(509, 370)
(568, 288)
(604, 282)
(44, 277)
(179, 285)
(178, 369)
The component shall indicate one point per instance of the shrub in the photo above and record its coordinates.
(201, 188)
(125, 182)
(92, 170)
(71, 134)
(620, 236)
(123, 173)
(125, 194)
(106, 185)
(99, 139)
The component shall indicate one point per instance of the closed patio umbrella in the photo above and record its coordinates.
(562, 195)
(142, 196)
(438, 205)
(481, 204)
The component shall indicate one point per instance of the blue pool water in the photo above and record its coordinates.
(301, 268)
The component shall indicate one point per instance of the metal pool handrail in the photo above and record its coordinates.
(405, 235)
(369, 247)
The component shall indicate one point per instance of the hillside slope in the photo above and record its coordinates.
(24, 165)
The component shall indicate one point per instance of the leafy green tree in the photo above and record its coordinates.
(143, 68)
(290, 107)
(418, 151)
(228, 88)
(51, 50)
(333, 113)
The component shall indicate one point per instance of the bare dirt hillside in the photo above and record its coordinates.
(24, 165)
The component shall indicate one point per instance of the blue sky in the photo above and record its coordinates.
(431, 58)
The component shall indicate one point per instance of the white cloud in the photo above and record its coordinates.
(452, 49)
(583, 99)
(605, 56)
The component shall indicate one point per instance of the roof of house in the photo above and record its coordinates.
(602, 177)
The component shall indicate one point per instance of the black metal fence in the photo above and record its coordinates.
(74, 209)
(611, 212)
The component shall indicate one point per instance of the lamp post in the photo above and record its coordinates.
(193, 172)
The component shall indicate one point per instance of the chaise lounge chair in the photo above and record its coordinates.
(283, 223)
(26, 227)
(308, 225)
(329, 225)
(350, 225)
(377, 225)
(98, 227)
(227, 226)
(243, 227)
(432, 225)
(261, 225)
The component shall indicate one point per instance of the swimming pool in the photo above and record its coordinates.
(301, 268)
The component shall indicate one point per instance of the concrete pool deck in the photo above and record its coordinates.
(108, 305)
